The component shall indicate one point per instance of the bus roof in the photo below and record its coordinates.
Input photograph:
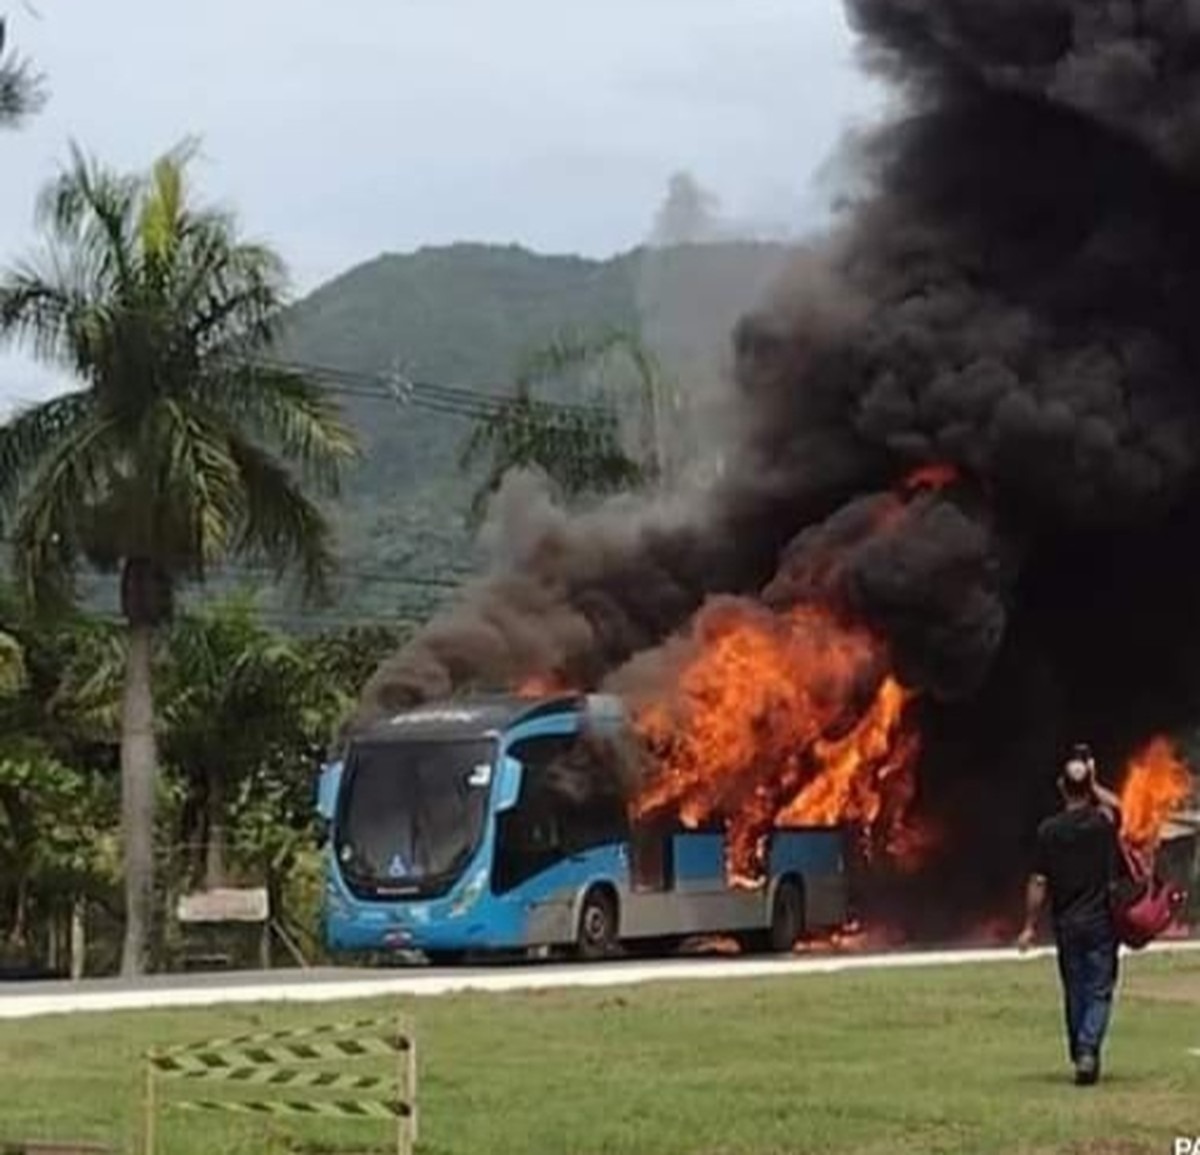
(467, 717)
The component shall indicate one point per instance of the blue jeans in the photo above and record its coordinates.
(1087, 964)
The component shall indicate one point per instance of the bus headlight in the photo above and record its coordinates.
(470, 895)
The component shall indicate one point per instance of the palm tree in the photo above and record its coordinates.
(225, 667)
(20, 90)
(179, 449)
(613, 354)
(578, 446)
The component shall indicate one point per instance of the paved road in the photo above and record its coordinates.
(26, 1000)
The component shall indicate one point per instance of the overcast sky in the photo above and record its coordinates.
(340, 130)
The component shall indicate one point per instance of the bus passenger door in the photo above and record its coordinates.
(528, 839)
(567, 828)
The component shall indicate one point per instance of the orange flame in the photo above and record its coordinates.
(1157, 783)
(782, 720)
(542, 686)
(852, 938)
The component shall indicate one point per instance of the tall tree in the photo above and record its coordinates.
(180, 449)
(21, 91)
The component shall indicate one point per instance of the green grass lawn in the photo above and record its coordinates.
(958, 1060)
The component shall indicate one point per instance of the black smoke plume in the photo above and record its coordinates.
(1017, 294)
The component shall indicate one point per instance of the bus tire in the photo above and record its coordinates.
(596, 936)
(445, 958)
(787, 917)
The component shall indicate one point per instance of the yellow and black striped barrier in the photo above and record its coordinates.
(273, 1059)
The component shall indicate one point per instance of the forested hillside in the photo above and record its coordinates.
(463, 318)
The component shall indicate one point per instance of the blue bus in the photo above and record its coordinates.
(499, 824)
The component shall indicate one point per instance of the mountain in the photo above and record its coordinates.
(464, 316)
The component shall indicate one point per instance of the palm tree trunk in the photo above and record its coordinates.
(214, 835)
(16, 934)
(78, 936)
(138, 774)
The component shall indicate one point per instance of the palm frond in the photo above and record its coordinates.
(285, 410)
(200, 487)
(570, 352)
(579, 450)
(89, 695)
(280, 521)
(165, 218)
(41, 308)
(70, 481)
(22, 92)
(232, 295)
(89, 212)
(29, 439)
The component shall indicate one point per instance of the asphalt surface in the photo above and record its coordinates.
(22, 1000)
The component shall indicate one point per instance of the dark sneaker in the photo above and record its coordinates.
(1087, 1070)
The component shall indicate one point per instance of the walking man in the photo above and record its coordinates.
(1076, 862)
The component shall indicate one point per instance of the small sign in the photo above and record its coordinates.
(226, 905)
(481, 775)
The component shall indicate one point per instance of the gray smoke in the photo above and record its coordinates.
(568, 597)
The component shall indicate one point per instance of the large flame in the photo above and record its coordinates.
(782, 720)
(785, 714)
(1157, 783)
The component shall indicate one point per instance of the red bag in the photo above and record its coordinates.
(1144, 905)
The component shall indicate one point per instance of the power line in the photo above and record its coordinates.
(453, 400)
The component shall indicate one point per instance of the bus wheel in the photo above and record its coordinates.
(445, 958)
(597, 935)
(787, 917)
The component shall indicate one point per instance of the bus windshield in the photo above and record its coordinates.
(412, 814)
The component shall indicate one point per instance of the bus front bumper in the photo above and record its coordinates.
(419, 926)
(361, 934)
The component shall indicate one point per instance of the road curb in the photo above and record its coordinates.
(339, 987)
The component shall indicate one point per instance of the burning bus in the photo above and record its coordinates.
(955, 525)
(504, 823)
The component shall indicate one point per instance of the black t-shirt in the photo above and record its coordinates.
(1077, 852)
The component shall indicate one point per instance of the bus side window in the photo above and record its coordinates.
(595, 822)
(529, 836)
(590, 801)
